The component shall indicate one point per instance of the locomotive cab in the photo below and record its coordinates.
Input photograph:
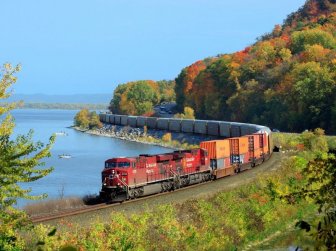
(115, 176)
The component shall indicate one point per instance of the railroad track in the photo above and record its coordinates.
(45, 218)
(95, 208)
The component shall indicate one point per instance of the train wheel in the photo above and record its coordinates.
(131, 194)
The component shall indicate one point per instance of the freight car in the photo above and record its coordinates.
(132, 177)
(206, 127)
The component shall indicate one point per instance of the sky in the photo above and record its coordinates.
(91, 46)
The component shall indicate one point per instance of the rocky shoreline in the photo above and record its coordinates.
(127, 134)
(179, 141)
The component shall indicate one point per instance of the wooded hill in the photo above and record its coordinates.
(285, 80)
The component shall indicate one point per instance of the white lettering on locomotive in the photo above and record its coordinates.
(190, 159)
(150, 165)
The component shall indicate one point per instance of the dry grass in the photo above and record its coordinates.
(53, 206)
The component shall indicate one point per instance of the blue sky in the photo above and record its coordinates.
(86, 46)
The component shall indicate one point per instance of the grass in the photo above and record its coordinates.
(59, 205)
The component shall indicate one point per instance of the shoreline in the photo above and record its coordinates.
(98, 132)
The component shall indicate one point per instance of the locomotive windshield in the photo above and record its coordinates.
(117, 164)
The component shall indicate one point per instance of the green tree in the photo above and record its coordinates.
(87, 120)
(20, 161)
(94, 121)
(82, 119)
(314, 89)
(188, 113)
(301, 39)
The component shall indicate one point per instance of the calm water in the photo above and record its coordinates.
(79, 175)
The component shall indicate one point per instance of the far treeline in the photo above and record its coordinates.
(286, 80)
(63, 106)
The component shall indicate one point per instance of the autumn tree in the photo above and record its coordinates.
(139, 97)
(188, 113)
(85, 119)
(20, 162)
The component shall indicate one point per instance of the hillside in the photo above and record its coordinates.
(286, 80)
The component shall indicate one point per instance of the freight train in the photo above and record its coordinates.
(127, 178)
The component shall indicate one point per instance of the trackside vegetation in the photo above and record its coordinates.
(244, 218)
(21, 160)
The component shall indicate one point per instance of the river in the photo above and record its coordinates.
(80, 174)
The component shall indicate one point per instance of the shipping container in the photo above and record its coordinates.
(263, 142)
(141, 121)
(124, 120)
(187, 125)
(151, 122)
(240, 158)
(224, 129)
(200, 126)
(162, 123)
(239, 150)
(175, 125)
(217, 149)
(132, 121)
(213, 128)
(255, 147)
(220, 163)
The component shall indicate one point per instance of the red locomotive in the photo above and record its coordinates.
(128, 178)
